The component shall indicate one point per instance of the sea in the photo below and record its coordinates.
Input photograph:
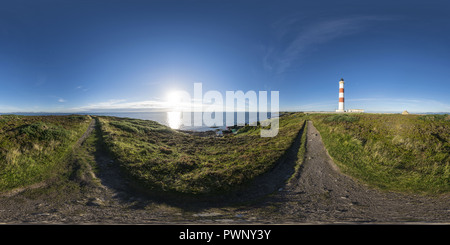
(171, 119)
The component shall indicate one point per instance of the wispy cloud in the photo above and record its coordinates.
(294, 38)
(319, 106)
(61, 100)
(121, 104)
(381, 105)
(161, 105)
(8, 108)
(399, 104)
(81, 88)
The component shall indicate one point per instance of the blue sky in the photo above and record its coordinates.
(68, 56)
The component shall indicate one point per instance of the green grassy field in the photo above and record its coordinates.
(163, 159)
(33, 148)
(408, 153)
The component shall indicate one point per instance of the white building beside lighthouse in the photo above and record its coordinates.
(341, 96)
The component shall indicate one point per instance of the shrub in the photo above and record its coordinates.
(341, 118)
(45, 132)
(435, 117)
(125, 126)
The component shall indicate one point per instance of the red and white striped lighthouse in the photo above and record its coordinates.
(341, 96)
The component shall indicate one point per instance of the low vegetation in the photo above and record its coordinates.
(409, 153)
(163, 159)
(300, 155)
(32, 148)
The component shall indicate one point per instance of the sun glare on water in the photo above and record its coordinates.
(174, 119)
(174, 113)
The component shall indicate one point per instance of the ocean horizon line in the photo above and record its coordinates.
(165, 111)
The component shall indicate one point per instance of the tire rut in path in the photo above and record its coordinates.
(112, 187)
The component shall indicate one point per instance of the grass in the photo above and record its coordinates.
(32, 148)
(163, 159)
(300, 154)
(407, 153)
(84, 161)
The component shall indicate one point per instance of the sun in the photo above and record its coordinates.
(173, 98)
(178, 100)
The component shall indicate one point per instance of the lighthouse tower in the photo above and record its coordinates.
(341, 96)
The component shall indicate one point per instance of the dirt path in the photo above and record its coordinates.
(319, 194)
(323, 194)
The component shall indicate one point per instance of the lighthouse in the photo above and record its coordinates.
(341, 96)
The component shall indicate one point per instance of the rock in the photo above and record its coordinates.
(43, 214)
(224, 220)
(207, 214)
(95, 202)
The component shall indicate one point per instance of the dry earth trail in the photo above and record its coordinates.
(323, 194)
(319, 194)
